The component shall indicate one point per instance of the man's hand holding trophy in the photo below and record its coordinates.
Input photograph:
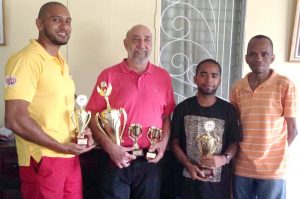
(81, 118)
(207, 145)
(111, 122)
(154, 135)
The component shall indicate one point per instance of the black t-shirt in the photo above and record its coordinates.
(189, 121)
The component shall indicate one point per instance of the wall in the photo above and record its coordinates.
(99, 27)
(274, 18)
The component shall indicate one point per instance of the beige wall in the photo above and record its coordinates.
(274, 18)
(97, 39)
(99, 27)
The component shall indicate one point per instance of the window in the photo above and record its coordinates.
(194, 30)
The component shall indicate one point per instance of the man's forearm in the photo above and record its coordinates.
(292, 129)
(19, 121)
(231, 150)
(166, 130)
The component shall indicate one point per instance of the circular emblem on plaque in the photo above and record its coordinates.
(209, 126)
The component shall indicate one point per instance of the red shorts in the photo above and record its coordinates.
(57, 178)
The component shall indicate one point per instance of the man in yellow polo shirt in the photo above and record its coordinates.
(39, 101)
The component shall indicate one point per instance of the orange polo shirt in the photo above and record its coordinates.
(44, 81)
(263, 150)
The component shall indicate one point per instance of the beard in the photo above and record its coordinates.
(54, 39)
(140, 56)
(204, 91)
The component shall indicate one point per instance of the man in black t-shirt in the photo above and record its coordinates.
(205, 134)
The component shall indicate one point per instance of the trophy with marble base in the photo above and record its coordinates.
(207, 145)
(154, 135)
(111, 122)
(135, 133)
(81, 118)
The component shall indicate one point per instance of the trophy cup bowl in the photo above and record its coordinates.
(207, 145)
(154, 135)
(80, 119)
(135, 132)
(111, 122)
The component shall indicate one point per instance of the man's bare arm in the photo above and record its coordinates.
(17, 119)
(292, 129)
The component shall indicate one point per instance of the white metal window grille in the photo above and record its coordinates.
(194, 30)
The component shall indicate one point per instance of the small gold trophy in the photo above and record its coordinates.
(207, 145)
(110, 121)
(81, 118)
(154, 135)
(135, 132)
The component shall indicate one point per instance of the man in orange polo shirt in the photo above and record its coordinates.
(39, 101)
(266, 102)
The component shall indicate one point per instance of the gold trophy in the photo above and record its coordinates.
(81, 118)
(207, 145)
(110, 121)
(135, 132)
(154, 135)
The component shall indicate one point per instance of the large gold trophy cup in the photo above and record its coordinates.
(81, 118)
(207, 145)
(111, 121)
(154, 135)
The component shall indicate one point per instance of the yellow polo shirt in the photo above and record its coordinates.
(44, 81)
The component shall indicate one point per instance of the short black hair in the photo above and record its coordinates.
(261, 37)
(44, 8)
(211, 61)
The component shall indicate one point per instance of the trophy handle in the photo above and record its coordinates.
(88, 119)
(198, 144)
(122, 111)
(148, 135)
(99, 125)
(160, 135)
(72, 118)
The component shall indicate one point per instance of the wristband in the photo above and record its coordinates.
(227, 156)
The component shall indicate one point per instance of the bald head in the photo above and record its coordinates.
(138, 28)
(44, 9)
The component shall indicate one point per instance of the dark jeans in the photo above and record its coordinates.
(141, 180)
(251, 188)
(195, 189)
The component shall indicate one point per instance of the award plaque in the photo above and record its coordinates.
(111, 122)
(135, 132)
(154, 135)
(81, 118)
(207, 145)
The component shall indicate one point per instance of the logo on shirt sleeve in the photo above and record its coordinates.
(10, 81)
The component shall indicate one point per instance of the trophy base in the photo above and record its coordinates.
(207, 171)
(138, 152)
(81, 141)
(151, 155)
